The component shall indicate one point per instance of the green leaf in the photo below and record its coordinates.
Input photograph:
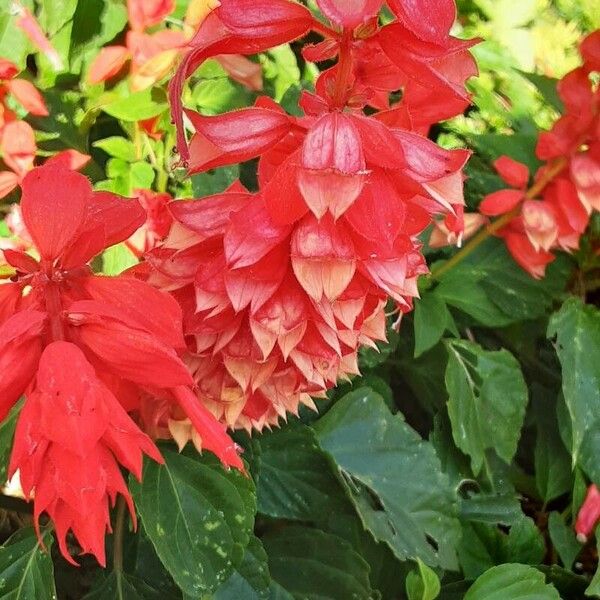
(313, 565)
(117, 147)
(491, 288)
(393, 477)
(7, 430)
(432, 318)
(553, 474)
(13, 41)
(423, 584)
(198, 516)
(514, 581)
(122, 586)
(127, 177)
(26, 570)
(547, 88)
(294, 478)
(594, 588)
(251, 580)
(117, 259)
(563, 539)
(135, 106)
(577, 330)
(485, 389)
(280, 65)
(214, 181)
(55, 14)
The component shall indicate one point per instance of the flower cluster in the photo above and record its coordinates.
(152, 55)
(554, 212)
(280, 288)
(120, 339)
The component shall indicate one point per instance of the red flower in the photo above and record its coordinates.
(588, 515)
(120, 339)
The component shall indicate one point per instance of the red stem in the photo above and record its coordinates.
(54, 309)
(344, 72)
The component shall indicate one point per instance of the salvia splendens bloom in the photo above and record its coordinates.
(89, 353)
(589, 514)
(555, 211)
(280, 288)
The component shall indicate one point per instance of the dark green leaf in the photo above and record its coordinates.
(251, 580)
(313, 565)
(563, 539)
(577, 330)
(514, 581)
(7, 430)
(26, 571)
(214, 181)
(198, 516)
(294, 479)
(594, 587)
(485, 389)
(122, 586)
(547, 88)
(432, 318)
(394, 478)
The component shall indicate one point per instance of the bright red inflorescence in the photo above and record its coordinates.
(555, 212)
(91, 354)
(280, 288)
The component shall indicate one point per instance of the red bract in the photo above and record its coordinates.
(280, 289)
(90, 354)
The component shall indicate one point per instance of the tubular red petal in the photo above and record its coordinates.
(54, 205)
(18, 146)
(588, 514)
(500, 202)
(513, 172)
(108, 63)
(218, 142)
(214, 437)
(26, 93)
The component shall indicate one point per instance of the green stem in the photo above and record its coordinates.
(119, 531)
(554, 169)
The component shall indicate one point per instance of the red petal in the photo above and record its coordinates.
(21, 349)
(588, 515)
(69, 159)
(131, 353)
(108, 63)
(525, 255)
(8, 182)
(515, 173)
(210, 216)
(218, 142)
(26, 93)
(214, 437)
(146, 13)
(251, 235)
(18, 146)
(429, 20)
(349, 13)
(53, 206)
(7, 69)
(590, 51)
(21, 261)
(109, 219)
(500, 202)
(152, 310)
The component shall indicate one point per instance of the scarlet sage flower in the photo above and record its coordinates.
(280, 289)
(121, 340)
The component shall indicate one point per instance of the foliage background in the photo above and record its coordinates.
(468, 443)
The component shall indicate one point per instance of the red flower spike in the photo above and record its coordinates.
(63, 447)
(588, 514)
(513, 172)
(85, 350)
(349, 13)
(332, 171)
